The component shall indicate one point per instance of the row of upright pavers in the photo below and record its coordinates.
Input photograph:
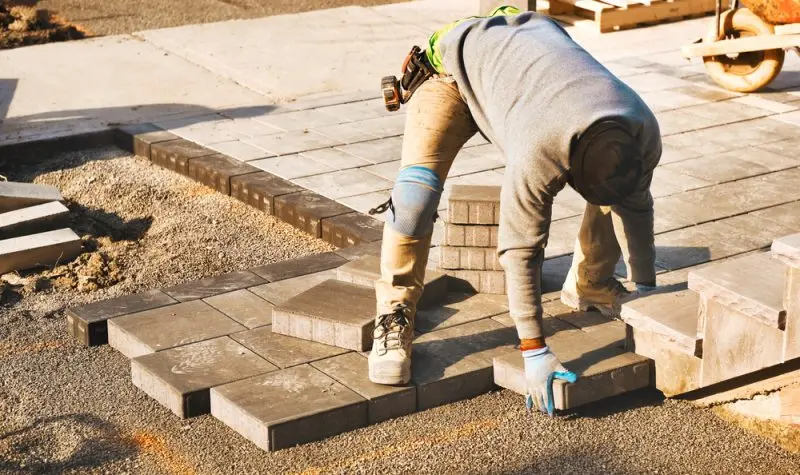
(736, 317)
(313, 213)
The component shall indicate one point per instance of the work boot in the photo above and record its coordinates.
(390, 358)
(607, 298)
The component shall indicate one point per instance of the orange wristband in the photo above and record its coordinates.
(531, 344)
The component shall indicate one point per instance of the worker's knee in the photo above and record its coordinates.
(415, 197)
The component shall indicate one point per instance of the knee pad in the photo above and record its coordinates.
(415, 197)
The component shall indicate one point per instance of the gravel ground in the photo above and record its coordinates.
(109, 17)
(69, 409)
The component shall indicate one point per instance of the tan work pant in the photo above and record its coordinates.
(438, 123)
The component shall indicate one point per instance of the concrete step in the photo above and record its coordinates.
(43, 249)
(787, 250)
(366, 270)
(752, 285)
(33, 219)
(671, 315)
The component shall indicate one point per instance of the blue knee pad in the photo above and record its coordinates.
(415, 197)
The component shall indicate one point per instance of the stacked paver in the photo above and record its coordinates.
(32, 227)
(736, 318)
(469, 250)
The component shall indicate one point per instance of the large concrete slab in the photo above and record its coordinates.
(279, 292)
(675, 371)
(33, 219)
(672, 315)
(460, 308)
(14, 195)
(284, 351)
(49, 248)
(179, 378)
(288, 407)
(243, 306)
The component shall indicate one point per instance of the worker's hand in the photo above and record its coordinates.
(541, 369)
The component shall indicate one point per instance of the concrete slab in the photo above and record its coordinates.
(675, 371)
(279, 292)
(608, 332)
(175, 154)
(291, 268)
(385, 402)
(180, 378)
(210, 286)
(344, 183)
(49, 248)
(306, 210)
(243, 306)
(259, 190)
(484, 281)
(288, 143)
(376, 151)
(14, 195)
(351, 229)
(460, 308)
(320, 314)
(303, 405)
(671, 315)
(284, 351)
(787, 249)
(216, 171)
(366, 270)
(33, 219)
(88, 323)
(138, 138)
(469, 258)
(167, 327)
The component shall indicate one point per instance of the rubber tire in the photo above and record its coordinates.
(770, 62)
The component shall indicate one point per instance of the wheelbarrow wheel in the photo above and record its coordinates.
(743, 72)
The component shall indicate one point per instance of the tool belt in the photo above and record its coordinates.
(416, 70)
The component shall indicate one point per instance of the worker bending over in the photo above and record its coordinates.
(560, 118)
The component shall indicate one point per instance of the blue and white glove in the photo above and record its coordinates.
(541, 369)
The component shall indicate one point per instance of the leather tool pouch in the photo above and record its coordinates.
(416, 70)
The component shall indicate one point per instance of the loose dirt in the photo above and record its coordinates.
(22, 25)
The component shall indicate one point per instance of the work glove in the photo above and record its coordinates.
(541, 369)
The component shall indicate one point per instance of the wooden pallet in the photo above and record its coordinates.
(611, 15)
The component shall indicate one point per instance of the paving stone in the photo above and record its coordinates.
(358, 111)
(15, 195)
(388, 126)
(244, 307)
(291, 167)
(455, 363)
(484, 281)
(603, 370)
(260, 189)
(609, 332)
(300, 120)
(470, 236)
(752, 285)
(215, 171)
(180, 378)
(41, 249)
(664, 100)
(675, 371)
(205, 132)
(360, 250)
(388, 171)
(88, 323)
(343, 183)
(653, 81)
(376, 151)
(366, 270)
(335, 159)
(458, 308)
(318, 314)
(366, 202)
(346, 133)
(791, 302)
(284, 351)
(296, 141)
(682, 120)
(476, 141)
(239, 150)
(787, 249)
(300, 266)
(784, 215)
(470, 258)
(304, 405)
(671, 155)
(759, 230)
(733, 165)
(351, 229)
(279, 292)
(175, 154)
(137, 139)
(735, 344)
(786, 147)
(554, 273)
(32, 219)
(210, 286)
(385, 402)
(671, 315)
(244, 127)
(466, 164)
(698, 244)
(167, 327)
(306, 210)
(473, 204)
(766, 104)
(668, 181)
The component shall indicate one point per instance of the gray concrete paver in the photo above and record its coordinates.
(376, 151)
(284, 351)
(294, 141)
(346, 133)
(240, 150)
(335, 159)
(291, 167)
(344, 183)
(244, 307)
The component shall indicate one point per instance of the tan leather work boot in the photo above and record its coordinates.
(606, 298)
(390, 358)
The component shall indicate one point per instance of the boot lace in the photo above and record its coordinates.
(390, 329)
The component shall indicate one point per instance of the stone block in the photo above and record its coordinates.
(15, 195)
(33, 219)
(138, 139)
(385, 402)
(460, 308)
(49, 248)
(459, 235)
(296, 141)
(291, 167)
(752, 284)
(609, 332)
(471, 204)
(244, 307)
(676, 372)
(469, 258)
(366, 270)
(484, 281)
(260, 189)
(210, 286)
(787, 249)
(603, 370)
(167, 327)
(175, 154)
(376, 151)
(343, 183)
(300, 266)
(216, 171)
(288, 407)
(306, 210)
(360, 250)
(671, 315)
(284, 351)
(334, 313)
(351, 229)
(300, 120)
(279, 292)
(88, 323)
(180, 378)
(735, 344)
(455, 363)
(550, 325)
